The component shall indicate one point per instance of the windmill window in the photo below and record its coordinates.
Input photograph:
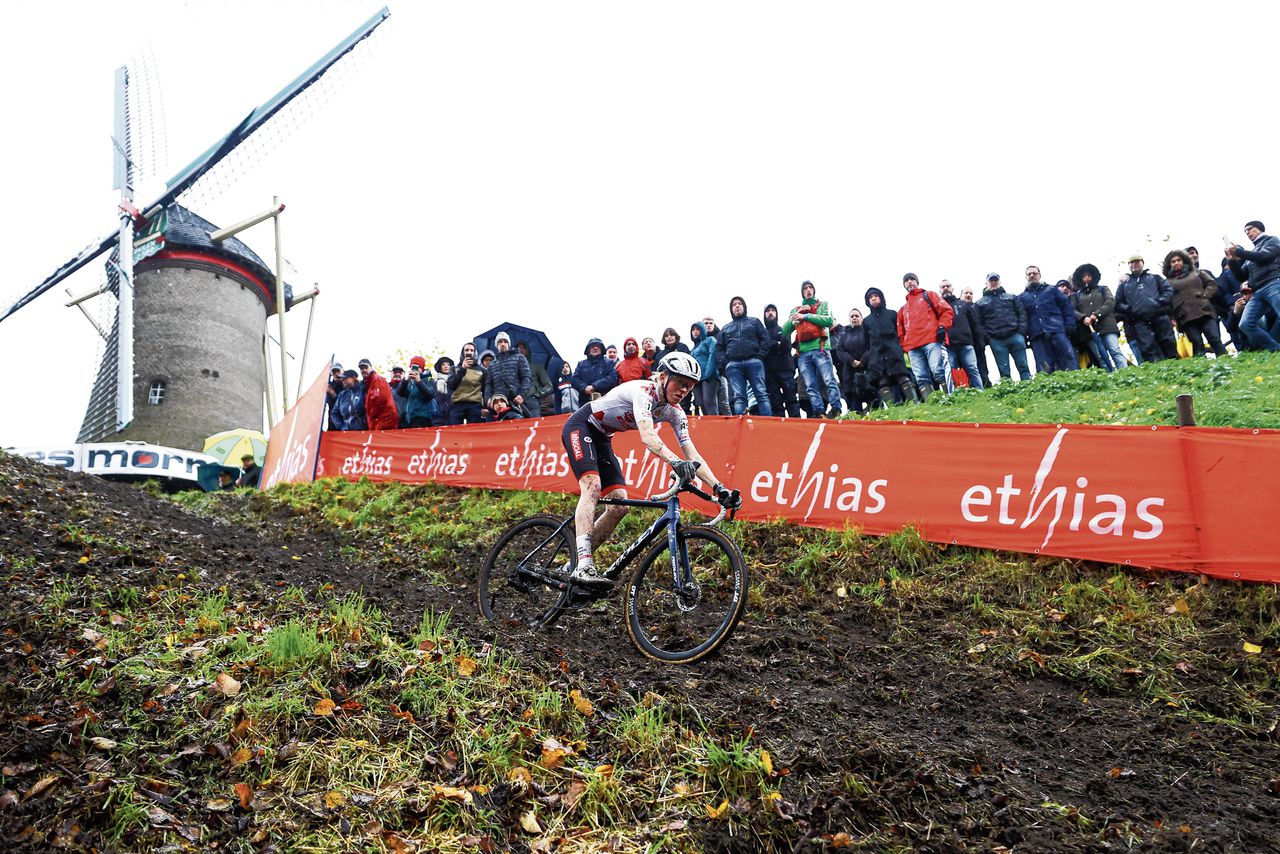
(155, 397)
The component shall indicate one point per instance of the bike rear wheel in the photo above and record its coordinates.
(521, 581)
(688, 624)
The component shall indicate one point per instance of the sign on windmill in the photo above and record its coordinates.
(188, 340)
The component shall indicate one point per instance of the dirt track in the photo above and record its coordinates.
(961, 757)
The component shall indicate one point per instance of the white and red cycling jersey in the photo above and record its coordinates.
(626, 404)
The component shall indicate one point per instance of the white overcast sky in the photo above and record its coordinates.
(606, 169)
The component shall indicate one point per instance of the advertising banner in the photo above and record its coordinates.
(295, 441)
(130, 460)
(1166, 497)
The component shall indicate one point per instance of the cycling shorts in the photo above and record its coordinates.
(591, 452)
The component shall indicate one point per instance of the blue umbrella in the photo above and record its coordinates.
(541, 350)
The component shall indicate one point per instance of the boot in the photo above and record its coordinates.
(926, 389)
(886, 397)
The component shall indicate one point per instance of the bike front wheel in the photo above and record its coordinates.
(683, 613)
(522, 580)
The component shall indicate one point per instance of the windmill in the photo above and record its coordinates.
(186, 347)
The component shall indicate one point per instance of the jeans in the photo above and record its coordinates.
(1200, 329)
(1014, 344)
(1053, 352)
(704, 394)
(782, 392)
(748, 371)
(1264, 298)
(964, 356)
(1111, 356)
(930, 365)
(1153, 336)
(468, 412)
(816, 370)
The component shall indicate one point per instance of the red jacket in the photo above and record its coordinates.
(918, 320)
(379, 408)
(632, 367)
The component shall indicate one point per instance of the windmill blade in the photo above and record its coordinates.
(90, 252)
(185, 179)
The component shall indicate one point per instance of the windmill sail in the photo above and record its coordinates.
(201, 166)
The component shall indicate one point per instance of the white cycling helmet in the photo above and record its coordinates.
(681, 365)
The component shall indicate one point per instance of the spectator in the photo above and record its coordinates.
(886, 363)
(964, 334)
(632, 366)
(923, 326)
(466, 388)
(1004, 319)
(348, 409)
(250, 472)
(335, 386)
(1095, 310)
(779, 368)
(1193, 292)
(542, 394)
(226, 480)
(671, 343)
(849, 352)
(379, 407)
(811, 321)
(649, 353)
(611, 353)
(722, 392)
(1229, 294)
(501, 408)
(741, 348)
(397, 377)
(566, 396)
(1143, 303)
(508, 374)
(967, 294)
(444, 395)
(1261, 268)
(417, 395)
(980, 340)
(595, 374)
(1050, 320)
(707, 392)
(486, 359)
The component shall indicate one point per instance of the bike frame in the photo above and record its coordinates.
(670, 518)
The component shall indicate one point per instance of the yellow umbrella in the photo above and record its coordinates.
(230, 446)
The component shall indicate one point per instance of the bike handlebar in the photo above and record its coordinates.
(685, 486)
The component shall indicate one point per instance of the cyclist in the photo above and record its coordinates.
(588, 437)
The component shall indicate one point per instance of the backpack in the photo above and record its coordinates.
(808, 331)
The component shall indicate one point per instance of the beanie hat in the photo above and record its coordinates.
(804, 284)
(502, 336)
(417, 362)
(908, 276)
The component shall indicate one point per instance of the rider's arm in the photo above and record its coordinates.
(649, 436)
(704, 471)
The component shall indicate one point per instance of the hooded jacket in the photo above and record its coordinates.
(1261, 265)
(742, 338)
(779, 362)
(1002, 314)
(444, 395)
(1193, 290)
(466, 384)
(884, 352)
(347, 412)
(919, 319)
(704, 351)
(379, 407)
(1093, 298)
(594, 371)
(509, 374)
(1143, 296)
(417, 399)
(632, 367)
(1048, 310)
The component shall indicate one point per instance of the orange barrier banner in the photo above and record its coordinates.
(1172, 498)
(294, 443)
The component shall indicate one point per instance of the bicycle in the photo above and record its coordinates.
(679, 610)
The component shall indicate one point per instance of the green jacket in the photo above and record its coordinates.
(819, 315)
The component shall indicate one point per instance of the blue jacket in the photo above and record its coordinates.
(1261, 266)
(416, 400)
(1143, 297)
(595, 371)
(1048, 310)
(743, 338)
(705, 354)
(348, 409)
(1001, 314)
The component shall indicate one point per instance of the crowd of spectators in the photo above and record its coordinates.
(806, 362)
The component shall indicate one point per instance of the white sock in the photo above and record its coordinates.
(584, 550)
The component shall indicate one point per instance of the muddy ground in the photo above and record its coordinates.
(963, 757)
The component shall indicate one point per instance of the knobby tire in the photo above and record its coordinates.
(508, 588)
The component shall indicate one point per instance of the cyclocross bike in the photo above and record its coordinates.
(684, 597)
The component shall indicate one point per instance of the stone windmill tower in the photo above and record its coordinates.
(185, 348)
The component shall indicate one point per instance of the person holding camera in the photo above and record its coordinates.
(466, 384)
(417, 395)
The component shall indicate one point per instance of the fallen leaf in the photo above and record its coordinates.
(605, 771)
(841, 840)
(581, 703)
(352, 706)
(245, 793)
(529, 822)
(226, 686)
(452, 793)
(520, 775)
(1252, 648)
(240, 730)
(574, 793)
(325, 707)
(241, 756)
(104, 743)
(466, 666)
(766, 762)
(40, 786)
(553, 753)
(1178, 607)
(717, 812)
(8, 800)
(334, 799)
(394, 843)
